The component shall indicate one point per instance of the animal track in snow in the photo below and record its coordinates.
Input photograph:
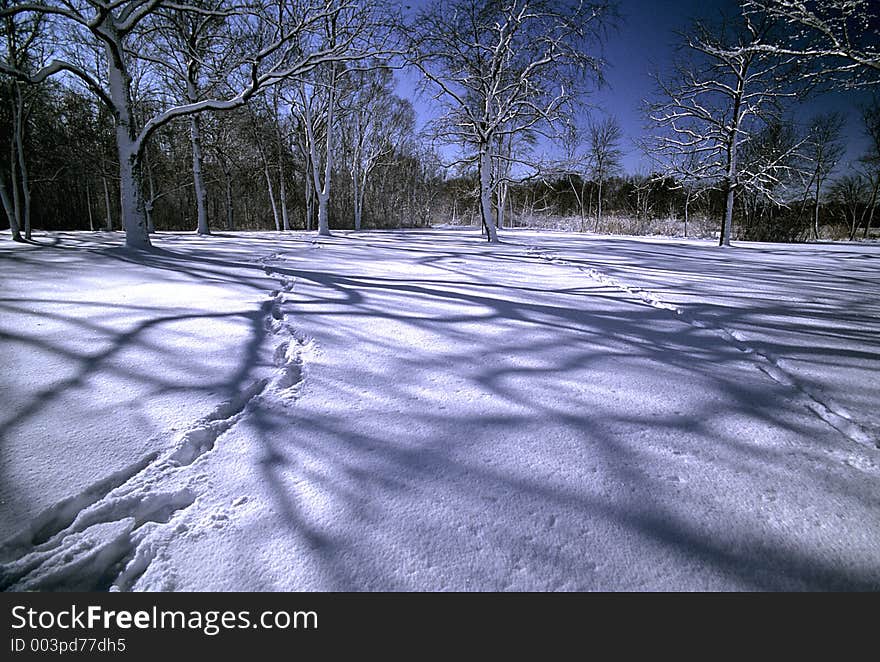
(106, 537)
(200, 439)
(95, 548)
(818, 403)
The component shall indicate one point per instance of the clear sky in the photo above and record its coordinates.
(645, 42)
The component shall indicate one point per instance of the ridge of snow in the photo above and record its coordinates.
(821, 405)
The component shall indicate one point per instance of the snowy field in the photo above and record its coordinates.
(417, 410)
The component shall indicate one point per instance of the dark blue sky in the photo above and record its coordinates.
(645, 42)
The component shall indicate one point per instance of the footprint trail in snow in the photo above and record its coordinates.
(106, 537)
(820, 404)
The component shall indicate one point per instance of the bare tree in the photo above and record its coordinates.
(574, 167)
(719, 100)
(23, 35)
(376, 124)
(771, 168)
(193, 49)
(871, 160)
(605, 156)
(840, 39)
(261, 121)
(318, 106)
(822, 149)
(688, 173)
(502, 68)
(282, 45)
(850, 192)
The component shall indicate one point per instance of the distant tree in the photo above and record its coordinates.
(318, 104)
(376, 124)
(502, 68)
(574, 167)
(822, 150)
(718, 100)
(771, 167)
(850, 192)
(193, 49)
(871, 160)
(605, 155)
(24, 36)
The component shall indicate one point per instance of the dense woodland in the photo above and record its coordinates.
(213, 115)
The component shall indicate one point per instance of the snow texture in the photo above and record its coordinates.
(420, 411)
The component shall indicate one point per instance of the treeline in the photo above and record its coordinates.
(254, 166)
(256, 178)
(208, 114)
(843, 206)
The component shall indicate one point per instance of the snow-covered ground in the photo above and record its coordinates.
(417, 410)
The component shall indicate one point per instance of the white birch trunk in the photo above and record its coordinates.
(322, 188)
(131, 196)
(282, 185)
(486, 193)
(195, 136)
(230, 210)
(150, 201)
(271, 189)
(22, 163)
(310, 197)
(16, 194)
(108, 210)
(9, 209)
(89, 206)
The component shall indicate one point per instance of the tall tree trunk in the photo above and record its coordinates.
(195, 137)
(282, 184)
(150, 201)
(324, 192)
(359, 184)
(872, 205)
(854, 226)
(580, 202)
(322, 188)
(816, 208)
(230, 210)
(310, 196)
(285, 215)
(16, 191)
(271, 190)
(500, 202)
(727, 219)
(9, 208)
(89, 206)
(130, 193)
(732, 161)
(486, 193)
(687, 204)
(510, 222)
(134, 219)
(356, 187)
(599, 205)
(108, 209)
(267, 174)
(356, 167)
(22, 162)
(323, 214)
